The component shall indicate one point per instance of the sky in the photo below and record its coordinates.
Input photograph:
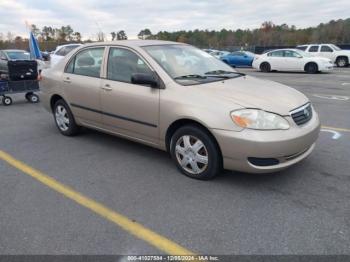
(90, 16)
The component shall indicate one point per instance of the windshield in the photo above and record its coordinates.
(189, 65)
(18, 55)
(336, 48)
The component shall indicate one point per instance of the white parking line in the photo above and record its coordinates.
(336, 135)
(334, 97)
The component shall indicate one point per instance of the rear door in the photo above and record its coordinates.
(276, 60)
(314, 50)
(327, 51)
(82, 84)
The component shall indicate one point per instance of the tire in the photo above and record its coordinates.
(27, 95)
(33, 98)
(226, 62)
(200, 162)
(265, 67)
(6, 101)
(342, 61)
(311, 68)
(64, 119)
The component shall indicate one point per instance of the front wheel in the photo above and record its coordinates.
(64, 119)
(341, 62)
(311, 68)
(33, 98)
(195, 153)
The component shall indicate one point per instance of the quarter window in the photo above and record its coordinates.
(313, 48)
(122, 63)
(326, 48)
(87, 62)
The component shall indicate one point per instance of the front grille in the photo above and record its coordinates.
(302, 114)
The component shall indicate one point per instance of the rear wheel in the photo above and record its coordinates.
(195, 153)
(64, 119)
(33, 98)
(342, 61)
(265, 67)
(6, 100)
(311, 68)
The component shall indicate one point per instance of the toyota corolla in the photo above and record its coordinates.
(180, 99)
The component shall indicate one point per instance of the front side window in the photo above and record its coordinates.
(122, 63)
(87, 62)
(188, 65)
(326, 48)
(238, 54)
(313, 48)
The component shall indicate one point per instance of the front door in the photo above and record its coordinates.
(293, 61)
(129, 109)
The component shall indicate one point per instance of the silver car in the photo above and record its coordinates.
(177, 98)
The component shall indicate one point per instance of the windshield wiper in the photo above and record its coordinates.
(190, 76)
(223, 73)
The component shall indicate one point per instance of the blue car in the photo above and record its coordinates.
(239, 58)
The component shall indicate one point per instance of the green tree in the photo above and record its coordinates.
(121, 35)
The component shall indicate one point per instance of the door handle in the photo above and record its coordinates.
(67, 80)
(107, 87)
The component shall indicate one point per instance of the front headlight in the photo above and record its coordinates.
(258, 119)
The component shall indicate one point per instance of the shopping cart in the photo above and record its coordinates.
(29, 87)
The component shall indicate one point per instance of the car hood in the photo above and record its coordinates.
(250, 92)
(344, 52)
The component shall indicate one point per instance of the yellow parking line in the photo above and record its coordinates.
(336, 128)
(125, 223)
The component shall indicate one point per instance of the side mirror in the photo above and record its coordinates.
(4, 58)
(144, 79)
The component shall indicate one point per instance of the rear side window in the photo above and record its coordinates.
(87, 62)
(302, 47)
(326, 48)
(313, 48)
(65, 50)
(276, 54)
(122, 63)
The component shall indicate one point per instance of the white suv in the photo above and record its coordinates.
(338, 56)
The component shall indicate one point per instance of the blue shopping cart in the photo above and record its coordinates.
(29, 87)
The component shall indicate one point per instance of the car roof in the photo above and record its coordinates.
(14, 50)
(284, 49)
(315, 44)
(135, 43)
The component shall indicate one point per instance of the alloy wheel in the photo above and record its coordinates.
(191, 154)
(62, 118)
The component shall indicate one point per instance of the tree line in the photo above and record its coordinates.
(269, 34)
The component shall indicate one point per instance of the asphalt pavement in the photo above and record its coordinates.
(302, 210)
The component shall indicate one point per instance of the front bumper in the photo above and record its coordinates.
(287, 146)
(326, 67)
